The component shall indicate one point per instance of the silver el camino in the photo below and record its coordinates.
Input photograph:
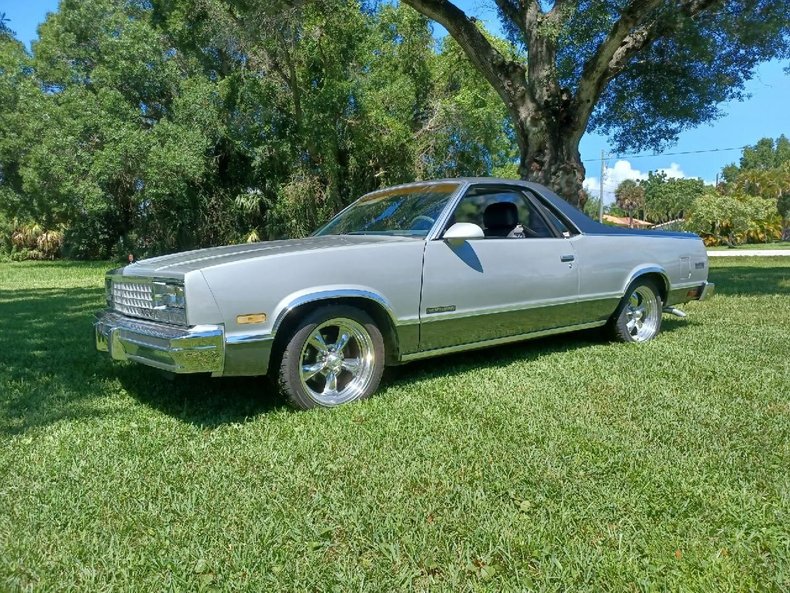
(402, 274)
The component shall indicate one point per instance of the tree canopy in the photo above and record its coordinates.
(158, 125)
(750, 204)
(4, 28)
(630, 196)
(639, 71)
(153, 126)
(668, 199)
(764, 172)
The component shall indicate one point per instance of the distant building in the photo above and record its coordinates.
(627, 222)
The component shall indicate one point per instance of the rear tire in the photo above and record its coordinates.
(638, 317)
(335, 356)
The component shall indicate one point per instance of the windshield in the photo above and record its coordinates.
(406, 211)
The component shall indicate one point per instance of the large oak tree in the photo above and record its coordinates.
(639, 71)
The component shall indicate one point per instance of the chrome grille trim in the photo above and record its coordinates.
(134, 297)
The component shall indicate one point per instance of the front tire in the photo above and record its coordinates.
(335, 356)
(638, 318)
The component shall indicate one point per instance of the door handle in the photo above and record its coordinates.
(567, 258)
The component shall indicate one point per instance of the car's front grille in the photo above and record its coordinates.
(133, 299)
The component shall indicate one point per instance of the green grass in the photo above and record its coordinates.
(750, 246)
(556, 465)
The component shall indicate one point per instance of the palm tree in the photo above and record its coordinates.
(4, 29)
(630, 196)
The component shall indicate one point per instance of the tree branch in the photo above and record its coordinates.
(629, 35)
(647, 34)
(692, 8)
(596, 70)
(507, 77)
(557, 7)
(513, 14)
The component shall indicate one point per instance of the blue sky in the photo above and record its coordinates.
(765, 113)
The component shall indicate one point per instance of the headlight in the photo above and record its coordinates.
(168, 296)
(169, 302)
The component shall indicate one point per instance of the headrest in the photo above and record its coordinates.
(500, 215)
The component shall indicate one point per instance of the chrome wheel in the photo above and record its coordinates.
(337, 362)
(642, 314)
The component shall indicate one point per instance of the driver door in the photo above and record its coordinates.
(512, 282)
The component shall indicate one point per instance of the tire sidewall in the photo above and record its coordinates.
(619, 320)
(289, 378)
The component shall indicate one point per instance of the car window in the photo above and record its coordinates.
(502, 214)
(409, 211)
(558, 224)
(556, 218)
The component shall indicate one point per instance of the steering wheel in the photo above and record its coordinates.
(520, 232)
(418, 223)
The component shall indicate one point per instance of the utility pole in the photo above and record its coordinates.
(600, 193)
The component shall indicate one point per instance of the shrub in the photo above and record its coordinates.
(723, 219)
(88, 238)
(25, 236)
(50, 244)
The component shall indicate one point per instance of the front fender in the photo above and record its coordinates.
(326, 293)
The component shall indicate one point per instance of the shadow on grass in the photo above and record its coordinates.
(751, 280)
(200, 399)
(50, 370)
(500, 356)
(44, 365)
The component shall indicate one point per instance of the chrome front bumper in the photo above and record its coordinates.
(197, 349)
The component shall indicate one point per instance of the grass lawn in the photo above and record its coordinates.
(554, 465)
(749, 246)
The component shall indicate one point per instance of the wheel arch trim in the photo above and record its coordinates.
(294, 301)
(649, 270)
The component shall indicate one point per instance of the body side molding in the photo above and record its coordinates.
(499, 341)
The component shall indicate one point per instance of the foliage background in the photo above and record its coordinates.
(751, 203)
(149, 126)
(156, 126)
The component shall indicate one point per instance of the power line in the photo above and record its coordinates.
(645, 156)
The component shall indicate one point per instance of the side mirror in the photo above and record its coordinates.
(463, 231)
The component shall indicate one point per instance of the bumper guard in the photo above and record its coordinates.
(197, 349)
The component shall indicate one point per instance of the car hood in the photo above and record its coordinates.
(178, 264)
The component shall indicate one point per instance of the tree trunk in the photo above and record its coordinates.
(548, 140)
(550, 156)
(548, 128)
(549, 121)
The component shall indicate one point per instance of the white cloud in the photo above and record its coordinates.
(674, 171)
(622, 170)
(592, 185)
